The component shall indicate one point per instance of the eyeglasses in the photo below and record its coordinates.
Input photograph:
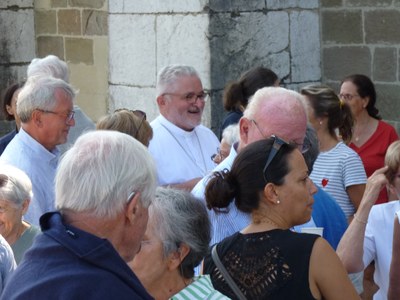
(190, 97)
(218, 156)
(138, 113)
(68, 116)
(302, 147)
(348, 97)
(278, 142)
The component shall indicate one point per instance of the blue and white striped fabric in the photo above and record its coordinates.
(337, 169)
(201, 288)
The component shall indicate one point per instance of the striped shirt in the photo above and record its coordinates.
(337, 169)
(200, 288)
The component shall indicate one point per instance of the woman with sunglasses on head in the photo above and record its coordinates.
(266, 260)
(371, 136)
(131, 122)
(338, 170)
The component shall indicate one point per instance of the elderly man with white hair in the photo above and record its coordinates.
(45, 107)
(104, 186)
(181, 146)
(271, 111)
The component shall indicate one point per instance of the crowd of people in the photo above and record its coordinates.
(132, 209)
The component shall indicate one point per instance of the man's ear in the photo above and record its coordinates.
(161, 100)
(9, 109)
(37, 118)
(244, 127)
(133, 208)
(175, 258)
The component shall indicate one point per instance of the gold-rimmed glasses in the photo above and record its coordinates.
(68, 116)
(190, 97)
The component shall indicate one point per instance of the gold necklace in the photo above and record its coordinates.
(265, 220)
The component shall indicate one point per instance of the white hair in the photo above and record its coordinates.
(99, 173)
(39, 93)
(265, 94)
(50, 65)
(169, 74)
(231, 134)
(179, 218)
(15, 185)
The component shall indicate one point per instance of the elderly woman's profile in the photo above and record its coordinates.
(176, 240)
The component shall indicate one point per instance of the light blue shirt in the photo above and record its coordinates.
(226, 223)
(40, 165)
(232, 220)
(7, 262)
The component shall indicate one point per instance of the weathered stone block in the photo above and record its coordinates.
(368, 3)
(331, 3)
(157, 6)
(396, 3)
(133, 50)
(45, 21)
(88, 3)
(69, 22)
(16, 4)
(236, 5)
(79, 50)
(336, 24)
(50, 45)
(339, 62)
(17, 42)
(388, 101)
(239, 43)
(384, 64)
(279, 4)
(59, 3)
(183, 39)
(42, 4)
(143, 98)
(305, 46)
(382, 26)
(95, 22)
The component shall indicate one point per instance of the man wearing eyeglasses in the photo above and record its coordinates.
(271, 111)
(45, 107)
(181, 146)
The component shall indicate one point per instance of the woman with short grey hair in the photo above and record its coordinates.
(15, 196)
(175, 242)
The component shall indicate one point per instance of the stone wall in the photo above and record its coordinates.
(221, 39)
(77, 32)
(364, 37)
(17, 44)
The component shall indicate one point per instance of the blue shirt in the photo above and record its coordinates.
(328, 214)
(232, 220)
(25, 153)
(6, 139)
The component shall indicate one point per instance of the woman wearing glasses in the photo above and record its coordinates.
(266, 260)
(371, 136)
(131, 122)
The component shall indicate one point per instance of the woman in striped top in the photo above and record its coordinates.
(338, 169)
(175, 242)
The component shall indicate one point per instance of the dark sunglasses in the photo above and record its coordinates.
(278, 143)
